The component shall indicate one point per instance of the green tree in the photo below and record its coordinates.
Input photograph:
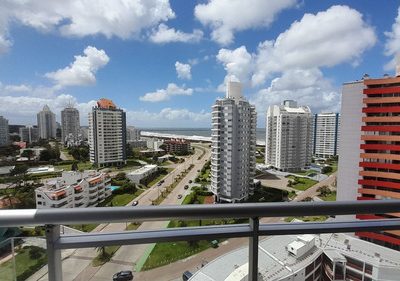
(19, 170)
(28, 153)
(326, 169)
(74, 166)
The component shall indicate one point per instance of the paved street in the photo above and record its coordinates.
(126, 256)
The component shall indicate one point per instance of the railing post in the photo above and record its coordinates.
(253, 250)
(53, 254)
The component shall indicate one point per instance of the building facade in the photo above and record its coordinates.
(370, 145)
(137, 175)
(324, 257)
(4, 131)
(178, 146)
(132, 134)
(233, 146)
(46, 123)
(70, 126)
(107, 134)
(74, 190)
(326, 134)
(29, 134)
(288, 145)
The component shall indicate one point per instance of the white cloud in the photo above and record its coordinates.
(165, 94)
(238, 63)
(23, 109)
(164, 34)
(307, 87)
(392, 45)
(183, 70)
(169, 117)
(82, 71)
(17, 88)
(328, 38)
(322, 40)
(225, 17)
(120, 18)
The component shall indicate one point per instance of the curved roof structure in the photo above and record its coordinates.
(106, 104)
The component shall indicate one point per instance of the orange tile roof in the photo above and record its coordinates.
(106, 104)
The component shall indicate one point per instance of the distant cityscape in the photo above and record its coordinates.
(300, 148)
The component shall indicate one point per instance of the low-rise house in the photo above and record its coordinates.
(137, 175)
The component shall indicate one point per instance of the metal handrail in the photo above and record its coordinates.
(186, 212)
(53, 218)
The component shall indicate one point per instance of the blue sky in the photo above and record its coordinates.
(165, 62)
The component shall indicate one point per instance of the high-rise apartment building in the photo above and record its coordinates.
(4, 138)
(29, 133)
(288, 145)
(233, 146)
(326, 134)
(46, 123)
(369, 161)
(70, 126)
(107, 134)
(132, 133)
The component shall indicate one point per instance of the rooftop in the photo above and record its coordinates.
(106, 104)
(143, 169)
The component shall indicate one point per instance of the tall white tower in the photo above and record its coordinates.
(107, 134)
(70, 126)
(288, 145)
(233, 146)
(46, 123)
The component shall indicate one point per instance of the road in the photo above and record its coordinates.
(78, 265)
(313, 191)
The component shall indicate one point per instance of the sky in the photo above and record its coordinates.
(166, 62)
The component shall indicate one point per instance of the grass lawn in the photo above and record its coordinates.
(26, 264)
(305, 173)
(303, 183)
(169, 252)
(120, 199)
(307, 219)
(260, 160)
(84, 227)
(133, 226)
(329, 197)
(109, 252)
(81, 166)
(166, 253)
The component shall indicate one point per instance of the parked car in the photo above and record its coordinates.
(186, 187)
(190, 181)
(125, 275)
(186, 275)
(135, 203)
(179, 196)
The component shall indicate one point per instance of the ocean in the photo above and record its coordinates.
(203, 132)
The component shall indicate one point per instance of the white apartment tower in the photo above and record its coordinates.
(326, 134)
(233, 146)
(46, 123)
(4, 138)
(70, 126)
(107, 134)
(29, 134)
(288, 144)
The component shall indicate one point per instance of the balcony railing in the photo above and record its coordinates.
(52, 219)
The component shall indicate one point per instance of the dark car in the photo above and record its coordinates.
(179, 196)
(186, 187)
(125, 275)
(134, 203)
(190, 181)
(186, 275)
